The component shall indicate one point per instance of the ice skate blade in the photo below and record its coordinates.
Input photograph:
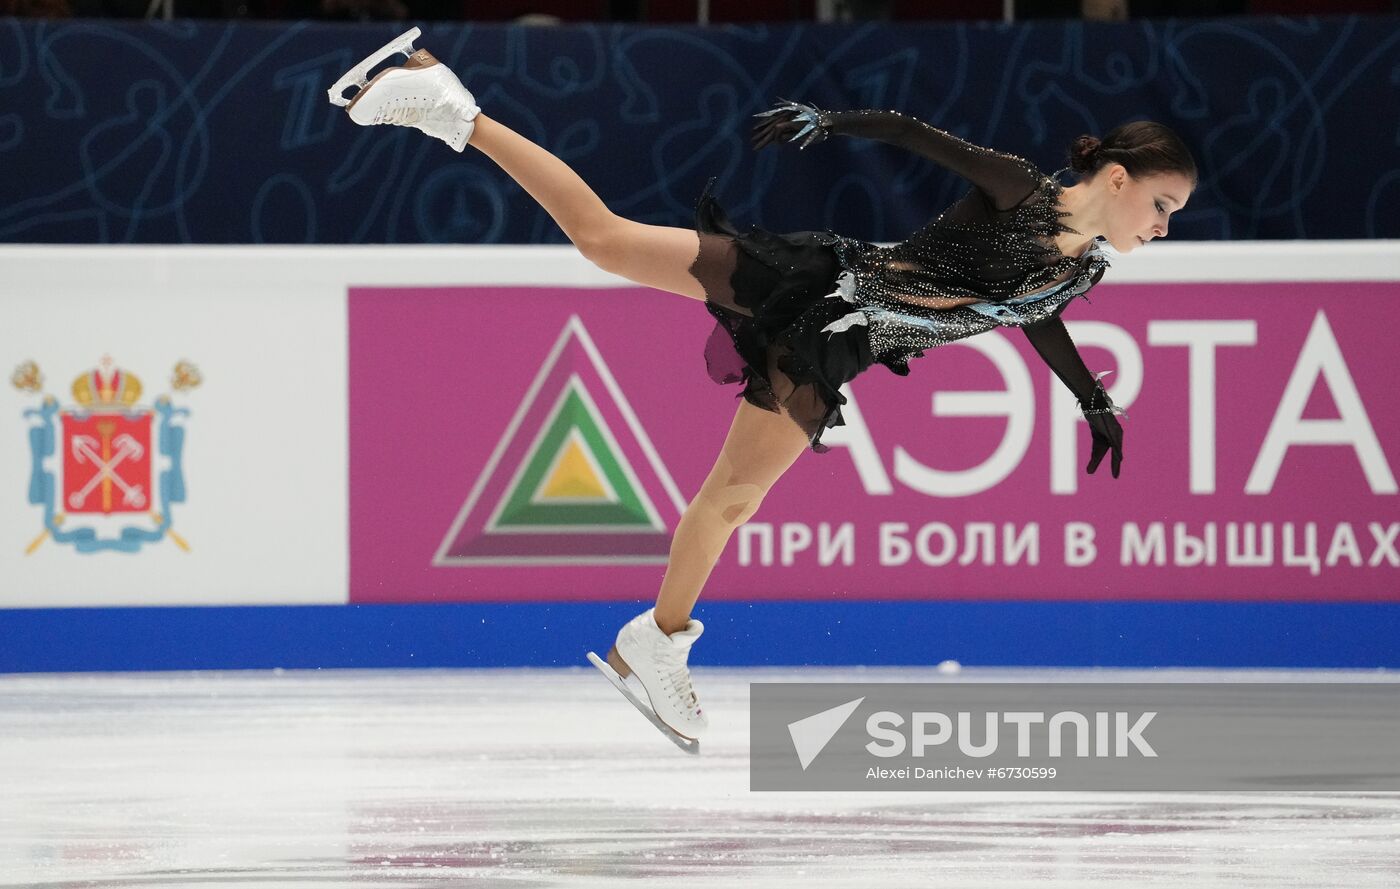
(357, 76)
(689, 745)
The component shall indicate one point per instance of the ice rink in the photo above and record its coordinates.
(548, 778)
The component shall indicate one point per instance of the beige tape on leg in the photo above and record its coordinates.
(735, 504)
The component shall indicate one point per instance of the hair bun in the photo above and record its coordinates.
(1084, 152)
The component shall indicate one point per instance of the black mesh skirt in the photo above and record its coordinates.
(768, 293)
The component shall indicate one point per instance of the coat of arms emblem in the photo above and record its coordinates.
(107, 469)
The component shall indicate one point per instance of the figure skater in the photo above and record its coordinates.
(801, 314)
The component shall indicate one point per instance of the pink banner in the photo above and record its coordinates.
(539, 443)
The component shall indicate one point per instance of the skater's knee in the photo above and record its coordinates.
(735, 504)
(604, 245)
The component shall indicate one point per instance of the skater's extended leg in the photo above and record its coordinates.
(426, 95)
(759, 448)
(653, 255)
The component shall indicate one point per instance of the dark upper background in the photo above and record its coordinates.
(206, 131)
(677, 11)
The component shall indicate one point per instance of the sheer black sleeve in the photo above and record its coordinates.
(1007, 180)
(1053, 342)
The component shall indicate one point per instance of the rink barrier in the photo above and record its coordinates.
(255, 553)
(1012, 634)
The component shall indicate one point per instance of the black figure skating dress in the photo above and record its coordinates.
(800, 314)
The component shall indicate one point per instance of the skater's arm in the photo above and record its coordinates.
(1007, 180)
(1052, 341)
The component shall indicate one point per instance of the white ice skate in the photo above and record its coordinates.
(423, 94)
(659, 663)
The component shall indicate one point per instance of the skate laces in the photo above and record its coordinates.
(678, 679)
(427, 115)
(402, 115)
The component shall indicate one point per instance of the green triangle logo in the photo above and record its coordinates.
(574, 476)
(574, 479)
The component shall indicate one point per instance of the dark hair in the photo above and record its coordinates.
(1144, 147)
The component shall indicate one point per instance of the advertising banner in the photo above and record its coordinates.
(540, 443)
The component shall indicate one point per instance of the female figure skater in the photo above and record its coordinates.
(801, 314)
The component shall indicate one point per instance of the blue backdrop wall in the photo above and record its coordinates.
(204, 132)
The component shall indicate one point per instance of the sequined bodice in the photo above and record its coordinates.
(1007, 260)
(970, 252)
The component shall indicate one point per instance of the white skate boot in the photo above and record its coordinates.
(659, 663)
(423, 94)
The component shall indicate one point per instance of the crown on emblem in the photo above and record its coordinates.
(107, 386)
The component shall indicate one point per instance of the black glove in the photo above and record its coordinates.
(1107, 434)
(1099, 412)
(790, 121)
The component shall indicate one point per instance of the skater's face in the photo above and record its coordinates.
(1141, 208)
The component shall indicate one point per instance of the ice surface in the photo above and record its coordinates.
(548, 778)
